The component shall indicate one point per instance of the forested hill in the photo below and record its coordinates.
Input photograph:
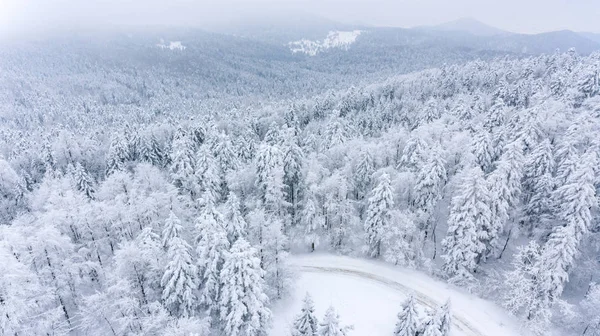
(121, 217)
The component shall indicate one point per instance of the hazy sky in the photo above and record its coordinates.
(526, 16)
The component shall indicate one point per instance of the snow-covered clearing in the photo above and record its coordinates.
(368, 295)
(335, 39)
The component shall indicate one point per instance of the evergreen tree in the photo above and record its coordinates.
(273, 251)
(207, 175)
(335, 133)
(469, 218)
(171, 229)
(269, 172)
(235, 224)
(182, 165)
(151, 151)
(83, 181)
(306, 322)
(526, 294)
(243, 302)
(577, 197)
(538, 184)
(118, 154)
(428, 187)
(179, 280)
(363, 175)
(225, 153)
(445, 319)
(505, 184)
(408, 319)
(378, 218)
(413, 154)
(433, 326)
(331, 326)
(482, 149)
(212, 244)
(312, 223)
(293, 160)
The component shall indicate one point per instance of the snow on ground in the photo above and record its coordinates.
(334, 39)
(368, 295)
(173, 45)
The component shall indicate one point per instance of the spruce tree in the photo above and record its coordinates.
(182, 165)
(378, 218)
(179, 281)
(413, 154)
(171, 229)
(331, 326)
(207, 175)
(293, 161)
(118, 154)
(482, 149)
(306, 322)
(211, 247)
(269, 171)
(243, 302)
(408, 319)
(235, 224)
(83, 181)
(469, 218)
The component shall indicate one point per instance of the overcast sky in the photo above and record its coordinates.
(524, 16)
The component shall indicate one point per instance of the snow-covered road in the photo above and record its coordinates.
(368, 295)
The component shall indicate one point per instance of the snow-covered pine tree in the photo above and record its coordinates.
(235, 224)
(577, 197)
(335, 132)
(312, 223)
(445, 318)
(273, 251)
(208, 175)
(151, 151)
(482, 149)
(505, 186)
(413, 154)
(212, 244)
(179, 281)
(269, 172)
(469, 218)
(172, 228)
(243, 302)
(182, 165)
(428, 188)
(433, 326)
(363, 175)
(408, 319)
(306, 322)
(538, 184)
(83, 181)
(330, 325)
(566, 159)
(118, 154)
(225, 153)
(293, 161)
(378, 218)
(525, 294)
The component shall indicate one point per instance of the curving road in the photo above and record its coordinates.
(457, 322)
(353, 281)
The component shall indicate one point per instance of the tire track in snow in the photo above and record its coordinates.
(459, 322)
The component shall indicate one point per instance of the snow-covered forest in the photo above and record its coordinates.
(159, 193)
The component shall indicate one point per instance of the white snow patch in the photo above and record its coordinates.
(368, 295)
(173, 45)
(335, 39)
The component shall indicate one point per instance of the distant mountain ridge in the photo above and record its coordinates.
(468, 25)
